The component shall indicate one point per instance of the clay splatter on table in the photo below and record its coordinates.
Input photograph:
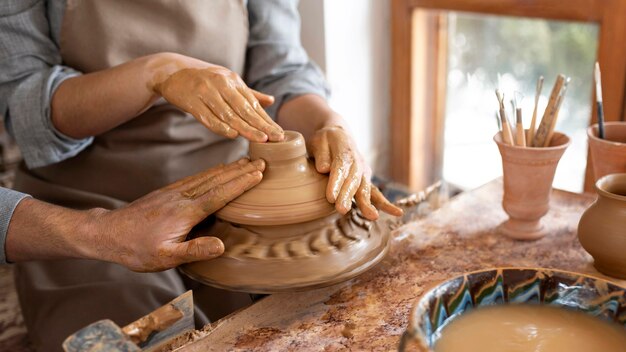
(371, 311)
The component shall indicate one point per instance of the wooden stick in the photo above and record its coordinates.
(507, 136)
(557, 108)
(541, 136)
(520, 136)
(533, 122)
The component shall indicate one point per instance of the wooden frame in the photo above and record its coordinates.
(416, 127)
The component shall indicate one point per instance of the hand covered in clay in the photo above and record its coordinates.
(221, 101)
(335, 152)
(149, 233)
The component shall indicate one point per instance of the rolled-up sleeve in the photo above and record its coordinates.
(30, 73)
(8, 202)
(276, 62)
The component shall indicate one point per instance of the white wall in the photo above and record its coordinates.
(354, 50)
(312, 31)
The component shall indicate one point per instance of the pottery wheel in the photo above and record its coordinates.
(283, 235)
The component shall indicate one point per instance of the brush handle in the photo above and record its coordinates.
(549, 116)
(507, 135)
(600, 119)
(520, 136)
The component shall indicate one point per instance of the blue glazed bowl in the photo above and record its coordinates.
(452, 298)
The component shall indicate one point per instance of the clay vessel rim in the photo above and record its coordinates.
(421, 304)
(607, 181)
(497, 138)
(593, 130)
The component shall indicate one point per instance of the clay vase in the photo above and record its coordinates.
(602, 227)
(528, 175)
(608, 155)
(283, 235)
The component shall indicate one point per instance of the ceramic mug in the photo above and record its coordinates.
(602, 227)
(608, 155)
(528, 175)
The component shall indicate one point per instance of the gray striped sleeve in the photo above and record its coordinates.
(9, 200)
(30, 73)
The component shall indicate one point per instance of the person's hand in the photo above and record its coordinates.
(335, 152)
(149, 233)
(221, 101)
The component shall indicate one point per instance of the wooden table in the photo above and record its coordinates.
(371, 312)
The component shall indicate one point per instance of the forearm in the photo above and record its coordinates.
(307, 114)
(40, 231)
(91, 104)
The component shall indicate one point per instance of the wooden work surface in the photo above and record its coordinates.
(371, 312)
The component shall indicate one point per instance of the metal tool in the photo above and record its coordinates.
(146, 334)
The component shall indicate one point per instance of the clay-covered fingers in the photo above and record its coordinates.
(363, 199)
(343, 204)
(190, 182)
(218, 196)
(251, 113)
(220, 108)
(225, 174)
(274, 132)
(381, 203)
(201, 248)
(206, 116)
(264, 99)
(339, 170)
(221, 101)
(321, 153)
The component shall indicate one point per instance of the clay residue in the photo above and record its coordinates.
(253, 339)
(159, 320)
(455, 239)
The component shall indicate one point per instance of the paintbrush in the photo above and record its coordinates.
(507, 136)
(531, 130)
(599, 106)
(520, 136)
(541, 135)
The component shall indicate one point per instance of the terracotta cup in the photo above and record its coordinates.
(602, 228)
(608, 155)
(528, 176)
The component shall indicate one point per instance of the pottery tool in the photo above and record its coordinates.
(540, 138)
(149, 333)
(599, 101)
(520, 136)
(498, 121)
(557, 108)
(531, 129)
(507, 136)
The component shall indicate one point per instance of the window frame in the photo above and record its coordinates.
(419, 57)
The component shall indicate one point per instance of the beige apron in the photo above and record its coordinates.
(159, 147)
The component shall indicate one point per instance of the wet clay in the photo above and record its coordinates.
(291, 192)
(283, 235)
(530, 328)
(601, 229)
(528, 175)
(159, 320)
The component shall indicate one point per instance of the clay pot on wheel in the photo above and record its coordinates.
(283, 235)
(528, 175)
(602, 228)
